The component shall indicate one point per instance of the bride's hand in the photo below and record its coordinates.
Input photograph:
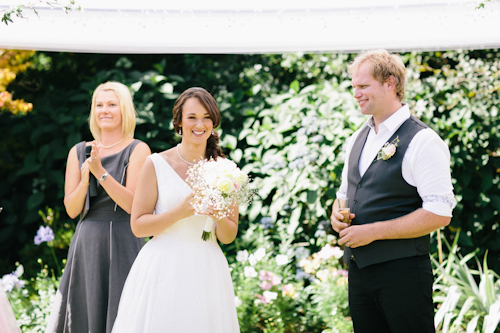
(186, 207)
(211, 211)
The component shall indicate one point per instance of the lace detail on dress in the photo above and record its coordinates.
(438, 198)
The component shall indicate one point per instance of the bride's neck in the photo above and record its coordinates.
(192, 152)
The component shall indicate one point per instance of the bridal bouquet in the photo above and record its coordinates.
(219, 183)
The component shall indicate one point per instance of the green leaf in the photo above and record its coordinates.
(35, 200)
(312, 196)
(295, 86)
(236, 155)
(294, 220)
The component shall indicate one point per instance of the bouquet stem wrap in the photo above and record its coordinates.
(207, 230)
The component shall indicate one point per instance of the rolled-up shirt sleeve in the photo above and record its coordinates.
(428, 168)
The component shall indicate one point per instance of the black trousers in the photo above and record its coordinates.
(392, 297)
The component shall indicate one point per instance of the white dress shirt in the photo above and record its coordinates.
(426, 163)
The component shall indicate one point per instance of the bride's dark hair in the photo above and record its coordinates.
(209, 103)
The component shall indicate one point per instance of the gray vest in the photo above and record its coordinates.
(382, 194)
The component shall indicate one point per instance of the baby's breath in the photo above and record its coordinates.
(219, 183)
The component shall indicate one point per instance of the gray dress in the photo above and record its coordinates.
(101, 253)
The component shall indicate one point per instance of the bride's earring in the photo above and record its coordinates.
(180, 131)
(213, 133)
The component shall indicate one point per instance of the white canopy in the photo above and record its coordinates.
(256, 26)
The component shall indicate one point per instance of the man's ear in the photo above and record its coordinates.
(391, 83)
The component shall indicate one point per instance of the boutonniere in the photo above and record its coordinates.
(388, 150)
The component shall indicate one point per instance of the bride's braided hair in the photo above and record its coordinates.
(208, 102)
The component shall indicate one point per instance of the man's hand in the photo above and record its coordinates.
(357, 235)
(336, 218)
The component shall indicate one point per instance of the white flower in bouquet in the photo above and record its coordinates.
(221, 184)
(226, 186)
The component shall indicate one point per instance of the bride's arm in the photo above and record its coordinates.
(227, 227)
(142, 220)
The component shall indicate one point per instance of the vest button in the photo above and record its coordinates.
(359, 185)
(355, 201)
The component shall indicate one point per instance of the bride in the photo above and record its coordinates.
(178, 282)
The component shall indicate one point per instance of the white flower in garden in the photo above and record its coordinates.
(320, 233)
(270, 295)
(237, 301)
(329, 251)
(242, 256)
(252, 259)
(260, 253)
(337, 252)
(281, 259)
(249, 271)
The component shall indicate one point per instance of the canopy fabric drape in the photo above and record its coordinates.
(257, 26)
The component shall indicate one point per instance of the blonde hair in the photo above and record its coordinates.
(127, 109)
(383, 64)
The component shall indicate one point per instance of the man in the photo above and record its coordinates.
(397, 197)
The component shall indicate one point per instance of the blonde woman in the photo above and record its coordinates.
(101, 178)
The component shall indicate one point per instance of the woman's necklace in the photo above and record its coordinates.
(114, 144)
(183, 160)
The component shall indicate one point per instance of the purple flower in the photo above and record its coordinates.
(44, 234)
(267, 222)
(9, 281)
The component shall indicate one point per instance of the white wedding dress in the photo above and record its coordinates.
(178, 282)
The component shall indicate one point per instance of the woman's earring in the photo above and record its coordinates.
(180, 131)
(213, 133)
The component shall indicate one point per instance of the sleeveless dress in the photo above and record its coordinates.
(8, 323)
(101, 253)
(178, 283)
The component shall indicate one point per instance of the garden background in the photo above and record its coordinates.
(285, 119)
